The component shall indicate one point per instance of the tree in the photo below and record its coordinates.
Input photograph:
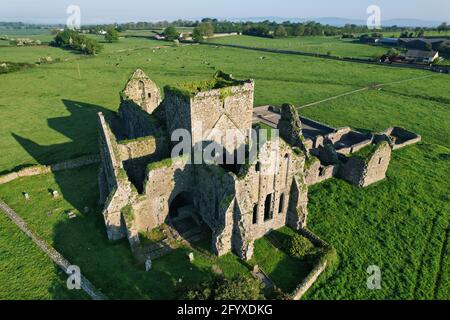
(197, 35)
(204, 29)
(392, 53)
(299, 30)
(280, 32)
(71, 39)
(112, 35)
(171, 33)
(442, 27)
(420, 33)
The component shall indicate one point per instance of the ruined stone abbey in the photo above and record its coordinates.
(142, 187)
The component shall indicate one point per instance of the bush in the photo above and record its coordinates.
(219, 288)
(171, 33)
(112, 35)
(298, 246)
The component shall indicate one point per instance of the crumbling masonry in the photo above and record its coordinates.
(143, 187)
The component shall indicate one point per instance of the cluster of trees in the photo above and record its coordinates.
(204, 29)
(443, 27)
(71, 39)
(288, 29)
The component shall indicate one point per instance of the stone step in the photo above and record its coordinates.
(190, 233)
(197, 237)
(159, 253)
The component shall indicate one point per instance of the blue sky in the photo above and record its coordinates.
(152, 10)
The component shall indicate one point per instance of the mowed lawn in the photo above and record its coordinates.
(334, 46)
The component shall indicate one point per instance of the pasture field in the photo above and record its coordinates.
(49, 113)
(334, 46)
(55, 106)
(25, 272)
(400, 225)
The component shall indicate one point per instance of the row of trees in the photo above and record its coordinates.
(289, 29)
(71, 39)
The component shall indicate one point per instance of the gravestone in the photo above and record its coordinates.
(72, 215)
(55, 194)
(148, 265)
(191, 257)
(26, 196)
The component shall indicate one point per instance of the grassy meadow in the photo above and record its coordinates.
(26, 273)
(49, 113)
(334, 46)
(55, 106)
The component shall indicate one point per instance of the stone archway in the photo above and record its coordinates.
(185, 218)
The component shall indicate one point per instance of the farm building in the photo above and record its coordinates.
(421, 56)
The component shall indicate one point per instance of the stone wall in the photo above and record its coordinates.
(211, 189)
(312, 277)
(136, 122)
(290, 126)
(377, 166)
(317, 172)
(113, 182)
(220, 109)
(40, 169)
(400, 137)
(364, 172)
(142, 91)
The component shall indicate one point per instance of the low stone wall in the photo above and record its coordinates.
(40, 169)
(401, 137)
(309, 281)
(318, 173)
(320, 267)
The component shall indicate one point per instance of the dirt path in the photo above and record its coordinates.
(377, 86)
(56, 257)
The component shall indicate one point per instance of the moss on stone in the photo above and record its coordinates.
(310, 161)
(367, 152)
(128, 213)
(141, 139)
(220, 80)
(165, 163)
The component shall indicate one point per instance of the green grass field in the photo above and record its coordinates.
(55, 106)
(400, 224)
(49, 114)
(25, 272)
(320, 45)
